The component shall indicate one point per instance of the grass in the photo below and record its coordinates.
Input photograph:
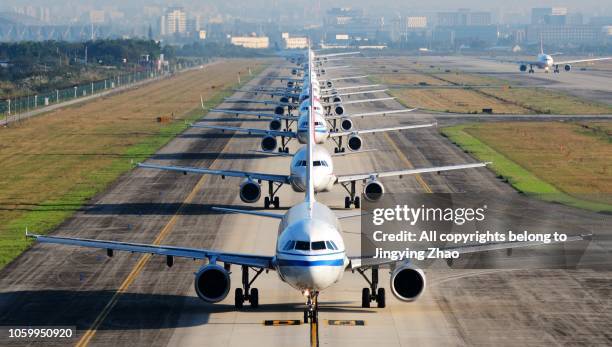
(548, 102)
(54, 163)
(552, 161)
(454, 100)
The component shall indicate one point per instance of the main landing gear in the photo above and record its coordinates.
(283, 147)
(339, 147)
(373, 293)
(311, 312)
(531, 69)
(272, 199)
(246, 293)
(352, 199)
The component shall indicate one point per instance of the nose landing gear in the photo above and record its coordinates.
(311, 312)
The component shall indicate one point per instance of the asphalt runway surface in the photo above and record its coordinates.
(135, 299)
(593, 83)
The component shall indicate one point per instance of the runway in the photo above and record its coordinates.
(593, 83)
(137, 300)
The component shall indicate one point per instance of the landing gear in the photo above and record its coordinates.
(311, 312)
(283, 147)
(352, 199)
(373, 293)
(556, 70)
(531, 69)
(339, 147)
(246, 293)
(272, 199)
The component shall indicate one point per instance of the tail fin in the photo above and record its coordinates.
(310, 198)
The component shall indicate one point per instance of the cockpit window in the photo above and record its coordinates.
(289, 246)
(318, 245)
(302, 246)
(306, 246)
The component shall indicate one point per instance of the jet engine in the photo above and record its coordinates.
(523, 67)
(268, 143)
(250, 191)
(407, 282)
(279, 110)
(567, 67)
(373, 190)
(212, 283)
(339, 110)
(346, 124)
(294, 71)
(276, 124)
(290, 84)
(284, 99)
(354, 142)
(329, 84)
(336, 99)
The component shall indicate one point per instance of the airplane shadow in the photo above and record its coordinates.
(132, 310)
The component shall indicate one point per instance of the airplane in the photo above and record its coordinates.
(269, 141)
(310, 256)
(546, 62)
(324, 177)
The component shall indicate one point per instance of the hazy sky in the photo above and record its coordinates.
(589, 7)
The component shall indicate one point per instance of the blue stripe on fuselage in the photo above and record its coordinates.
(310, 263)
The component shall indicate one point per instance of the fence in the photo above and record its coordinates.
(12, 108)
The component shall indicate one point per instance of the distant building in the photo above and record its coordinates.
(463, 17)
(416, 22)
(548, 15)
(260, 42)
(202, 34)
(297, 42)
(565, 34)
(96, 17)
(174, 21)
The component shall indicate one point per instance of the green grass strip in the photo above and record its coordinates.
(518, 177)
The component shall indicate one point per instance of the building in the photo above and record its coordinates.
(463, 17)
(416, 22)
(174, 21)
(297, 42)
(565, 34)
(548, 15)
(202, 35)
(97, 17)
(260, 42)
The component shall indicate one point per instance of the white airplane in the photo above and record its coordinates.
(310, 256)
(547, 63)
(269, 141)
(324, 178)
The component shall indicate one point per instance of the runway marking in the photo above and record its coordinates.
(350, 322)
(418, 177)
(86, 338)
(314, 334)
(280, 322)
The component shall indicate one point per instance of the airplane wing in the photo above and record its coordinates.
(376, 130)
(345, 78)
(400, 173)
(375, 113)
(253, 213)
(256, 101)
(252, 113)
(355, 93)
(230, 173)
(357, 262)
(357, 101)
(580, 61)
(260, 261)
(335, 54)
(250, 131)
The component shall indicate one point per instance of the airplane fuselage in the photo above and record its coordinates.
(310, 252)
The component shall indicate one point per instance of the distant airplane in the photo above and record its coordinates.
(546, 62)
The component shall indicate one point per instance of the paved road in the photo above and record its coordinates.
(52, 285)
